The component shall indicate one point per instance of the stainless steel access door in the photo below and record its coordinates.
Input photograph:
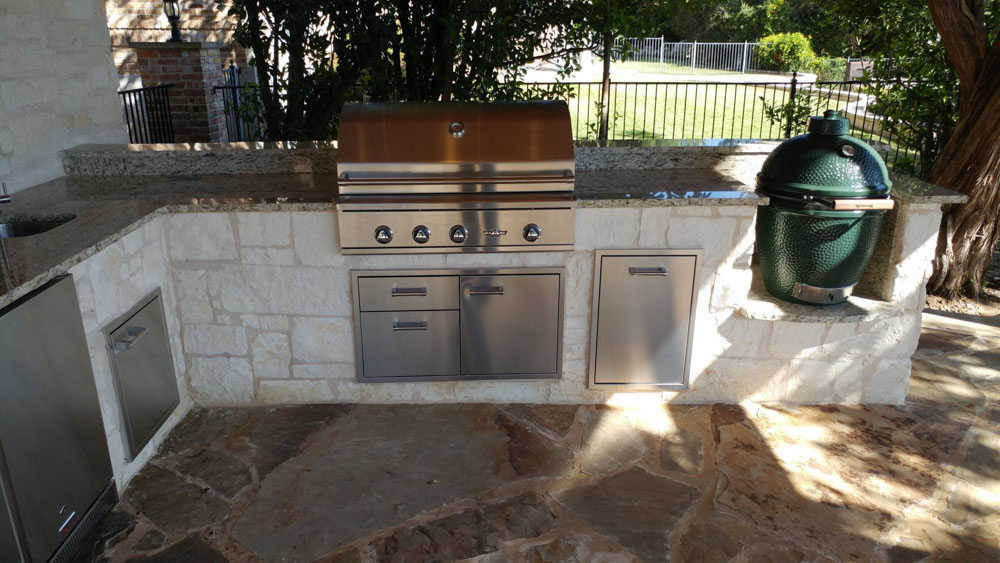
(510, 324)
(144, 371)
(9, 552)
(50, 418)
(643, 318)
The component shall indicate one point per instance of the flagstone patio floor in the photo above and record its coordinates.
(352, 483)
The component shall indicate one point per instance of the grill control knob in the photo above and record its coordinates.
(532, 232)
(458, 233)
(421, 234)
(383, 234)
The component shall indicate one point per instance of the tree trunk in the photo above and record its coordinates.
(602, 135)
(970, 161)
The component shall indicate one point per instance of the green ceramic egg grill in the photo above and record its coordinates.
(829, 193)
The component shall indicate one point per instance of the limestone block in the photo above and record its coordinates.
(796, 340)
(729, 287)
(193, 303)
(744, 338)
(579, 283)
(607, 227)
(653, 226)
(285, 290)
(271, 228)
(271, 355)
(265, 322)
(576, 333)
(842, 340)
(322, 339)
(293, 391)
(346, 391)
(264, 255)
(215, 339)
(818, 382)
(737, 210)
(502, 391)
(201, 236)
(919, 233)
(423, 392)
(316, 240)
(714, 235)
(132, 242)
(735, 380)
(888, 384)
(221, 380)
(344, 372)
(894, 338)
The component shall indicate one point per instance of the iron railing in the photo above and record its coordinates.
(720, 110)
(237, 99)
(653, 54)
(146, 112)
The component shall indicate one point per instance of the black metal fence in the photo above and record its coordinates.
(147, 114)
(720, 110)
(240, 102)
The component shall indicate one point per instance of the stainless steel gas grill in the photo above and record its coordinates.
(455, 177)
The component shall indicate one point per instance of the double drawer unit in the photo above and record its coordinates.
(458, 324)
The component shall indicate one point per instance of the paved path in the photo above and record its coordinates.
(581, 483)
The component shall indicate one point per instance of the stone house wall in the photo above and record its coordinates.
(57, 86)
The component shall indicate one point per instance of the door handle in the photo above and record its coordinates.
(132, 335)
(495, 290)
(409, 292)
(657, 271)
(413, 325)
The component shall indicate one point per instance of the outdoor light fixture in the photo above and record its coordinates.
(173, 11)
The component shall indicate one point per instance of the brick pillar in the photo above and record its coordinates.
(194, 69)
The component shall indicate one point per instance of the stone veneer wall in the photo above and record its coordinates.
(108, 285)
(265, 311)
(57, 86)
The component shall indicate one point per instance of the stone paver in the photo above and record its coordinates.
(491, 483)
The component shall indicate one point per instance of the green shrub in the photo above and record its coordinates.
(829, 69)
(786, 51)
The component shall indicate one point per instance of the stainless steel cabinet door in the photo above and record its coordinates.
(50, 418)
(642, 315)
(144, 372)
(9, 552)
(409, 344)
(510, 324)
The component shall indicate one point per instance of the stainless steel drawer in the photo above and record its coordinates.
(409, 344)
(510, 324)
(406, 293)
(642, 318)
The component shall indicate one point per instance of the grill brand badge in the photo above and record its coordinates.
(494, 233)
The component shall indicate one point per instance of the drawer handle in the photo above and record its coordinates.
(496, 290)
(409, 292)
(657, 271)
(414, 325)
(132, 335)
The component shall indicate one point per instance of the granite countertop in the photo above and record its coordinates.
(668, 186)
(108, 207)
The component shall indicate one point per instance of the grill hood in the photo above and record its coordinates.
(455, 147)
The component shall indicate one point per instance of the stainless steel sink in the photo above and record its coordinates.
(14, 229)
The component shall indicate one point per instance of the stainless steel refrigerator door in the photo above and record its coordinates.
(50, 419)
(144, 371)
(643, 319)
(9, 552)
(510, 324)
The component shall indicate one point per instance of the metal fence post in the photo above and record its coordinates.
(694, 55)
(791, 105)
(746, 46)
(661, 54)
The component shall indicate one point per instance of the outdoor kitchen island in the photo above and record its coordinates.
(259, 306)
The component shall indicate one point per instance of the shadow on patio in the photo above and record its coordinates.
(584, 483)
